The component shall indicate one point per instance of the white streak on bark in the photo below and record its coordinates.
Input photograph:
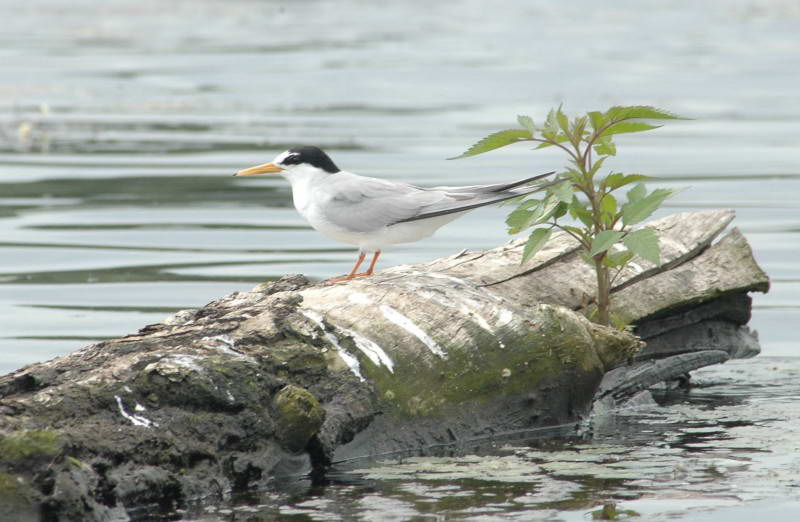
(347, 357)
(408, 325)
(371, 349)
(136, 420)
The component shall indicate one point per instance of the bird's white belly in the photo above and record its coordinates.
(319, 223)
(380, 238)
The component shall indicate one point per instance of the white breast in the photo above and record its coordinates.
(307, 200)
(303, 181)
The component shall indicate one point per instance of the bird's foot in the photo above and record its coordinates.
(348, 277)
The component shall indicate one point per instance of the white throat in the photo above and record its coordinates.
(303, 178)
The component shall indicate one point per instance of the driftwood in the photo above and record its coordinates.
(293, 376)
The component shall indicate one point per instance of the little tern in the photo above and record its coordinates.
(373, 213)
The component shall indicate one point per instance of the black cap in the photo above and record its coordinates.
(312, 156)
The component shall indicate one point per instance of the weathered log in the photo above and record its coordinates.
(293, 375)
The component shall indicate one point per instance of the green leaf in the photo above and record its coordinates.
(579, 127)
(624, 127)
(562, 191)
(495, 141)
(616, 259)
(550, 129)
(563, 121)
(573, 175)
(644, 243)
(609, 204)
(512, 201)
(575, 230)
(638, 210)
(527, 123)
(529, 203)
(516, 219)
(605, 146)
(578, 211)
(561, 209)
(618, 179)
(531, 213)
(640, 111)
(535, 242)
(597, 119)
(549, 207)
(542, 213)
(637, 192)
(603, 241)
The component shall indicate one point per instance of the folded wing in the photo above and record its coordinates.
(362, 204)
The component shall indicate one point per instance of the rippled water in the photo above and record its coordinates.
(121, 122)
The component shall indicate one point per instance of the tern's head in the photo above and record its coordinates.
(305, 159)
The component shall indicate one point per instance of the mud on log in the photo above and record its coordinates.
(293, 375)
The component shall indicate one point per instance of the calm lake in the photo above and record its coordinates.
(121, 123)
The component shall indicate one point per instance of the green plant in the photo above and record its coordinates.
(604, 230)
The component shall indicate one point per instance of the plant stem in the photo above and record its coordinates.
(603, 298)
(551, 142)
(585, 244)
(588, 158)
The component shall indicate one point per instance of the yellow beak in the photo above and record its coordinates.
(259, 169)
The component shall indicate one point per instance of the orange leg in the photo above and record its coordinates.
(375, 257)
(354, 272)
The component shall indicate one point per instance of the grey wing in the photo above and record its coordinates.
(362, 204)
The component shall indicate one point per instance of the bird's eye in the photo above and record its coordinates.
(292, 159)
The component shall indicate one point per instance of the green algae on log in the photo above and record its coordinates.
(298, 416)
(293, 375)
